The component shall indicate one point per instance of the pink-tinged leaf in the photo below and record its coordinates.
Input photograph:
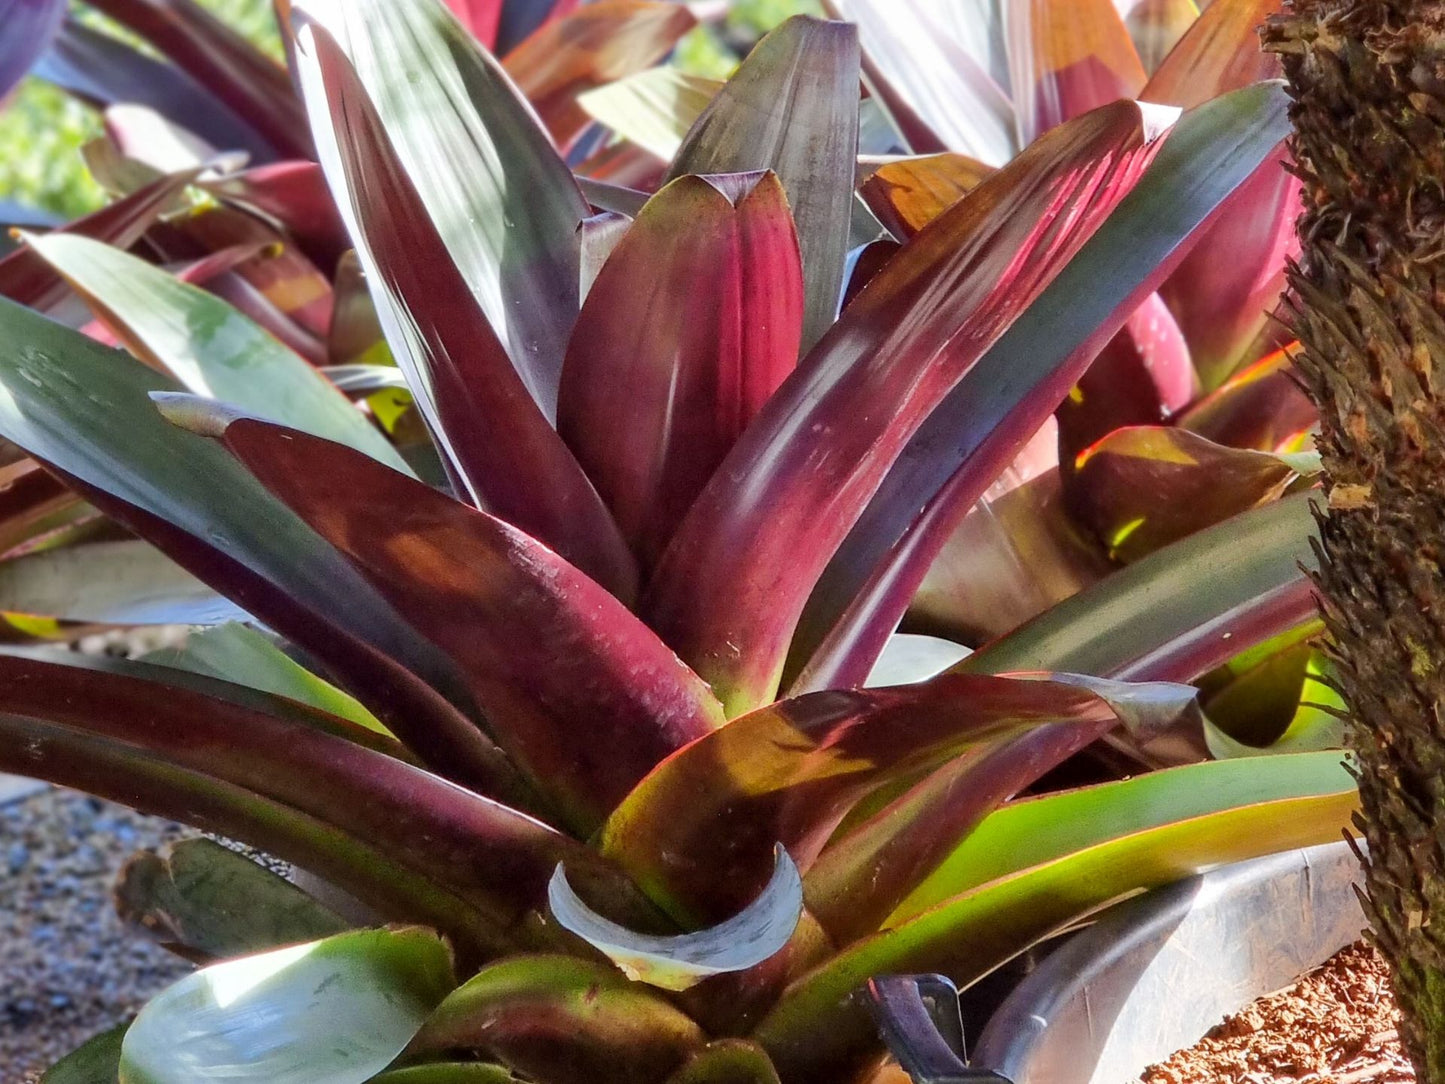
(732, 584)
(1011, 558)
(30, 27)
(502, 201)
(1068, 58)
(697, 834)
(598, 236)
(203, 510)
(792, 107)
(26, 278)
(104, 71)
(1260, 407)
(1143, 487)
(919, 66)
(1220, 52)
(595, 45)
(868, 870)
(33, 502)
(1225, 291)
(481, 17)
(418, 849)
(1155, 27)
(515, 465)
(691, 326)
(1143, 375)
(250, 83)
(908, 194)
(294, 196)
(582, 696)
(978, 428)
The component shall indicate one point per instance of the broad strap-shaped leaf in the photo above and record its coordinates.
(207, 345)
(479, 410)
(501, 200)
(918, 59)
(730, 588)
(419, 848)
(334, 1011)
(976, 430)
(591, 47)
(870, 866)
(1180, 611)
(1155, 27)
(698, 832)
(293, 194)
(30, 27)
(522, 18)
(1262, 407)
(653, 109)
(692, 324)
(235, 653)
(1011, 558)
(85, 410)
(560, 1019)
(1218, 53)
(26, 278)
(909, 193)
(1223, 313)
(207, 902)
(104, 71)
(1120, 843)
(1143, 487)
(97, 1061)
(753, 936)
(1067, 58)
(792, 107)
(250, 83)
(111, 583)
(579, 692)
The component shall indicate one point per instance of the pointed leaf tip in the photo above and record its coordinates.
(197, 414)
(753, 935)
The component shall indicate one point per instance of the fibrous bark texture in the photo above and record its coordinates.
(1368, 81)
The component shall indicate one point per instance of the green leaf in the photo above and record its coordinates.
(207, 345)
(116, 583)
(792, 107)
(336, 1011)
(504, 203)
(206, 901)
(727, 1061)
(1132, 621)
(653, 109)
(679, 962)
(1072, 854)
(235, 653)
(97, 1061)
(563, 1020)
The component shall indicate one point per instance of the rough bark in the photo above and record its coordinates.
(1368, 81)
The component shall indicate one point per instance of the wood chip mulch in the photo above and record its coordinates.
(1337, 1025)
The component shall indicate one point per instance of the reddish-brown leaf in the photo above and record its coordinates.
(1260, 407)
(692, 324)
(908, 194)
(733, 582)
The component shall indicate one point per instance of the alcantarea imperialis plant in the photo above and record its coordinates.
(1368, 115)
(577, 707)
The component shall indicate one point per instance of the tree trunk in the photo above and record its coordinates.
(1368, 81)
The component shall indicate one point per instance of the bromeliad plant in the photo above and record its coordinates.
(604, 758)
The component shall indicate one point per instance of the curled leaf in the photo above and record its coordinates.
(679, 962)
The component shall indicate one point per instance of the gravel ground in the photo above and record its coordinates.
(68, 969)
